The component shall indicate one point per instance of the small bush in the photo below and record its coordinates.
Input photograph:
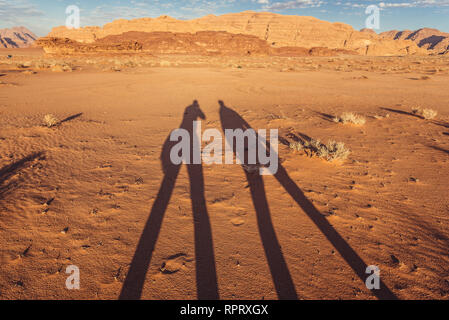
(349, 117)
(331, 151)
(297, 146)
(427, 114)
(50, 121)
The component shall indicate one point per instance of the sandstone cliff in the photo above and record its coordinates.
(432, 40)
(278, 30)
(67, 46)
(206, 43)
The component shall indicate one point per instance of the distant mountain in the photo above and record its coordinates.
(17, 37)
(276, 29)
(433, 40)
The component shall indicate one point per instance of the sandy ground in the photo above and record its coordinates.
(88, 192)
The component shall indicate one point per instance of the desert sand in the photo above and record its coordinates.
(91, 191)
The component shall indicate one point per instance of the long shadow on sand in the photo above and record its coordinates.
(440, 149)
(278, 267)
(402, 112)
(206, 276)
(8, 171)
(441, 123)
(73, 117)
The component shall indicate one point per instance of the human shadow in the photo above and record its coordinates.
(280, 273)
(206, 276)
(8, 171)
(281, 277)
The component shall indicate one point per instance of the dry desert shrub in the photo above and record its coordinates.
(425, 113)
(273, 116)
(330, 152)
(349, 117)
(50, 121)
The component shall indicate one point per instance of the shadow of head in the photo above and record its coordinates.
(231, 119)
(192, 113)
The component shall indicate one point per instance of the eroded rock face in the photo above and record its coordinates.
(206, 43)
(432, 40)
(278, 30)
(54, 45)
(17, 37)
(201, 43)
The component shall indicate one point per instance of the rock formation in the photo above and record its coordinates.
(433, 40)
(278, 30)
(67, 46)
(17, 37)
(200, 43)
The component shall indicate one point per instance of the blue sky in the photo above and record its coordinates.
(41, 15)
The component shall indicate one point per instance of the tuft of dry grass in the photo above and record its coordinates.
(333, 151)
(349, 117)
(297, 146)
(330, 152)
(50, 121)
(425, 113)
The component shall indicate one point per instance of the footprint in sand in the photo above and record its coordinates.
(174, 263)
(237, 221)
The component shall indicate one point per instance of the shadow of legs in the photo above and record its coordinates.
(345, 250)
(133, 285)
(206, 275)
(232, 120)
(282, 280)
(207, 288)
